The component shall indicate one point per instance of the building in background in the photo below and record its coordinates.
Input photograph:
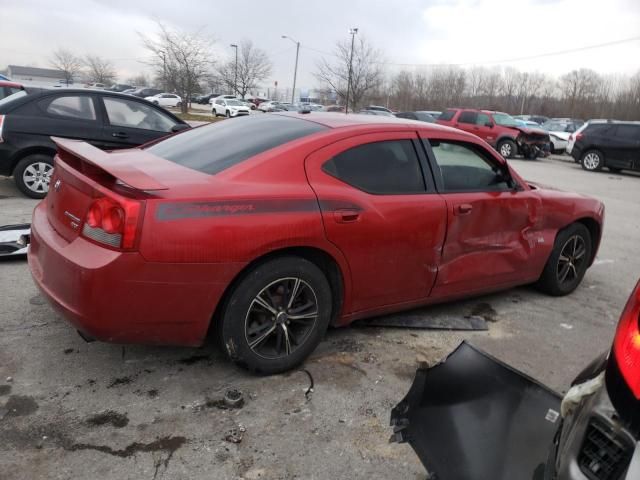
(35, 75)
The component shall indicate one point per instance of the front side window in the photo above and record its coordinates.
(127, 113)
(388, 167)
(483, 119)
(71, 106)
(465, 169)
(467, 117)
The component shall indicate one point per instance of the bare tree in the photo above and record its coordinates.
(98, 69)
(65, 61)
(253, 67)
(180, 59)
(366, 72)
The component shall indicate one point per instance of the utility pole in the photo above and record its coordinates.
(295, 70)
(235, 76)
(352, 32)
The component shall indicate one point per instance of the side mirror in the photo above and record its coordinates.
(178, 127)
(488, 124)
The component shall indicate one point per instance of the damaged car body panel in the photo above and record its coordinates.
(14, 240)
(532, 143)
(473, 417)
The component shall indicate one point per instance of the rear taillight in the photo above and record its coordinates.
(626, 345)
(578, 136)
(571, 137)
(113, 222)
(2, 117)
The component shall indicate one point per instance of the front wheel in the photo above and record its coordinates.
(592, 161)
(178, 105)
(228, 114)
(507, 148)
(33, 174)
(276, 315)
(568, 261)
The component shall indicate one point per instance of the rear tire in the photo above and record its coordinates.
(592, 161)
(268, 339)
(32, 175)
(507, 148)
(568, 261)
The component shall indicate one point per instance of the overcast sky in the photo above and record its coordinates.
(407, 32)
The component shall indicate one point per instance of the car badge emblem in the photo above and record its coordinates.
(57, 185)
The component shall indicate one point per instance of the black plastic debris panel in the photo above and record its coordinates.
(14, 240)
(472, 417)
(440, 322)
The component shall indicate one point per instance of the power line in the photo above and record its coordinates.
(488, 62)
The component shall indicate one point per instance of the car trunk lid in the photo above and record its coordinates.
(84, 173)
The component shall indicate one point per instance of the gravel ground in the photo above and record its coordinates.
(77, 410)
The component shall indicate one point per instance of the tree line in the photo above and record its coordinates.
(184, 63)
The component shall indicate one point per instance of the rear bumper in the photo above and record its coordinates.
(121, 297)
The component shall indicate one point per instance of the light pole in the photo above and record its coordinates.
(295, 70)
(352, 32)
(235, 75)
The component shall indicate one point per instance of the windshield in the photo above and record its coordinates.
(504, 120)
(12, 97)
(554, 126)
(234, 103)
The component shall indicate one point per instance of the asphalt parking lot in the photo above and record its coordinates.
(69, 409)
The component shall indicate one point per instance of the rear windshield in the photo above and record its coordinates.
(216, 147)
(448, 115)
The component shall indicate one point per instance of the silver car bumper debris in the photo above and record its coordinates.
(14, 240)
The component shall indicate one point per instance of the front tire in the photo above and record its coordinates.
(507, 148)
(228, 114)
(276, 315)
(592, 161)
(33, 174)
(568, 261)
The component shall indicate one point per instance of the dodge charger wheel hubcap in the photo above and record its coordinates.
(37, 176)
(505, 150)
(591, 161)
(572, 256)
(281, 317)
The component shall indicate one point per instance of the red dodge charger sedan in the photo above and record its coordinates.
(267, 229)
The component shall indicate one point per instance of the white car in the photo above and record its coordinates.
(269, 106)
(165, 100)
(229, 107)
(559, 132)
(230, 97)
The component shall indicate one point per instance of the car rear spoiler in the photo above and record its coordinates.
(126, 172)
(473, 417)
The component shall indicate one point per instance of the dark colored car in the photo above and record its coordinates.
(107, 120)
(9, 88)
(421, 116)
(146, 92)
(269, 228)
(381, 113)
(593, 433)
(614, 145)
(499, 130)
(204, 99)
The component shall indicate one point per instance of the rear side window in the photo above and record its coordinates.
(448, 115)
(216, 147)
(389, 167)
(132, 114)
(467, 117)
(71, 106)
(628, 132)
(599, 129)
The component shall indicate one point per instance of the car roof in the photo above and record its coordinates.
(342, 120)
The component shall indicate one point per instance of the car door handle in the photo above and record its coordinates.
(119, 135)
(463, 209)
(346, 216)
